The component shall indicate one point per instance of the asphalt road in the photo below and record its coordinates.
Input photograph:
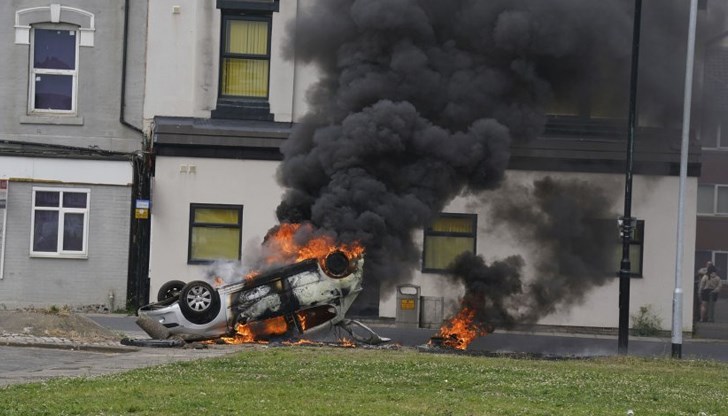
(28, 364)
(31, 364)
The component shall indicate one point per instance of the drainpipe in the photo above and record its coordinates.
(123, 71)
(138, 267)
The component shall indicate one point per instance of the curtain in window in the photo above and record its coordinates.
(247, 37)
(441, 251)
(215, 234)
(246, 77)
(215, 243)
(453, 225)
(216, 216)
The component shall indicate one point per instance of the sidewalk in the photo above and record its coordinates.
(21, 340)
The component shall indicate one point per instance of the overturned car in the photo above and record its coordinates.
(307, 296)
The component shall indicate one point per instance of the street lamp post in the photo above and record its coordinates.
(677, 299)
(627, 222)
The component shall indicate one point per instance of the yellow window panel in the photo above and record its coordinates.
(217, 216)
(453, 225)
(247, 37)
(441, 251)
(245, 77)
(215, 244)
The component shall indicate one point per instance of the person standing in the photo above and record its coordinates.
(709, 288)
(697, 299)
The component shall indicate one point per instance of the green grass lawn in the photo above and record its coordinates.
(340, 381)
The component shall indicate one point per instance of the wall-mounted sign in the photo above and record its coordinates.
(141, 209)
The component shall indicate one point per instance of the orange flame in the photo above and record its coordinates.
(346, 343)
(460, 330)
(258, 332)
(285, 248)
(282, 247)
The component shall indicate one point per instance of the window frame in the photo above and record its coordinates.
(192, 225)
(62, 211)
(34, 72)
(246, 16)
(716, 190)
(718, 142)
(429, 232)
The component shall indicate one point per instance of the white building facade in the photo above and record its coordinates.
(216, 158)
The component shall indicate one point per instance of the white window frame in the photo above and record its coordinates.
(45, 71)
(718, 142)
(715, 211)
(60, 253)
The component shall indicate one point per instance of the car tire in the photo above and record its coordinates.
(170, 289)
(199, 302)
(337, 265)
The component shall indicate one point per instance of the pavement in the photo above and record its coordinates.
(36, 358)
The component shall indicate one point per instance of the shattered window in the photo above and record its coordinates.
(447, 237)
(215, 233)
(59, 222)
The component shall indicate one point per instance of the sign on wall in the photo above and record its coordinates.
(3, 220)
(141, 210)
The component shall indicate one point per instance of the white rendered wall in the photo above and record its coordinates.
(183, 60)
(66, 170)
(654, 200)
(216, 181)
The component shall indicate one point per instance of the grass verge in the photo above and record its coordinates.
(336, 381)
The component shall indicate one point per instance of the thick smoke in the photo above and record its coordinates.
(419, 100)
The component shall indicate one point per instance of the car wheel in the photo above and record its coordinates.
(170, 289)
(336, 265)
(199, 302)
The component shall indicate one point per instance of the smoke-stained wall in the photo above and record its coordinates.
(592, 299)
(419, 102)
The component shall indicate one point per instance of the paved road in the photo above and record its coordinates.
(28, 364)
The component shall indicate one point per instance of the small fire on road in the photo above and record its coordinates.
(459, 331)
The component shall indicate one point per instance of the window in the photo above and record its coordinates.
(245, 59)
(215, 233)
(447, 237)
(713, 199)
(712, 134)
(59, 222)
(53, 71)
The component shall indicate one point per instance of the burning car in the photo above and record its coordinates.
(306, 296)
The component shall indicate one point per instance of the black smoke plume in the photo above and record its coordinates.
(418, 102)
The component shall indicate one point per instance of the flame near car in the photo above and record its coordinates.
(287, 301)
